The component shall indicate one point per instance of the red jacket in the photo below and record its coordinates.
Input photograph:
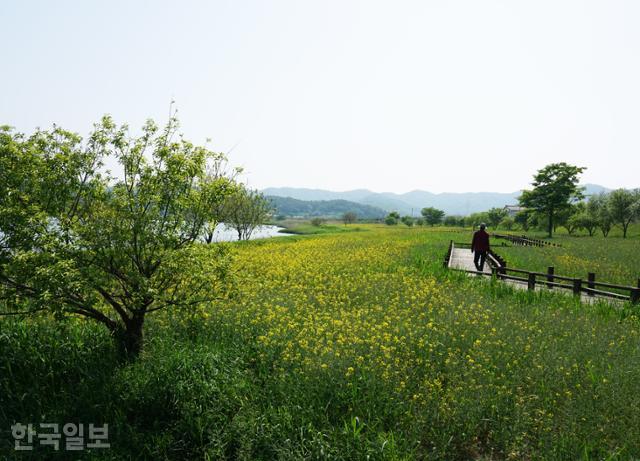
(480, 241)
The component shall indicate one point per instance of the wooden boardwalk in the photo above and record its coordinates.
(462, 258)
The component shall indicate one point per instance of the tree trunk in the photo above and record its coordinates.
(550, 224)
(129, 338)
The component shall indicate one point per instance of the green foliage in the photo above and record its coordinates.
(245, 210)
(188, 400)
(77, 241)
(52, 370)
(507, 223)
(555, 187)
(317, 222)
(495, 216)
(565, 218)
(452, 221)
(583, 220)
(624, 207)
(523, 219)
(432, 215)
(475, 219)
(349, 217)
(598, 210)
(301, 228)
(451, 367)
(392, 219)
(407, 220)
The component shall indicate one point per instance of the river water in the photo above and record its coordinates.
(223, 233)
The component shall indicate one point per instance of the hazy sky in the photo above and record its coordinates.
(387, 95)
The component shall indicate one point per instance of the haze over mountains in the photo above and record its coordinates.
(452, 203)
(287, 206)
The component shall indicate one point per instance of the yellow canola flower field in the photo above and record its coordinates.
(341, 300)
(357, 313)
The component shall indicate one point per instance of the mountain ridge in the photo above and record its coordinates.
(287, 206)
(453, 203)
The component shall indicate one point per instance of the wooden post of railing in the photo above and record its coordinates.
(634, 296)
(550, 278)
(591, 282)
(577, 286)
(447, 258)
(531, 282)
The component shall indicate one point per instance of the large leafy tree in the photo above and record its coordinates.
(522, 219)
(598, 210)
(217, 173)
(408, 221)
(555, 188)
(495, 216)
(432, 215)
(584, 217)
(245, 209)
(349, 217)
(475, 219)
(624, 207)
(77, 240)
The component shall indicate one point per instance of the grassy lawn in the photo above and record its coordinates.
(304, 227)
(355, 345)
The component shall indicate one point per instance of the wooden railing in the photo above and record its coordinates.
(524, 240)
(578, 286)
(590, 287)
(447, 257)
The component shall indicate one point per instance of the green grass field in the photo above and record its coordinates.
(349, 345)
(612, 259)
(304, 227)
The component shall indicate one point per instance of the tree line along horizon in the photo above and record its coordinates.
(555, 201)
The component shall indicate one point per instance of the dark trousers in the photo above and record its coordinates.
(479, 256)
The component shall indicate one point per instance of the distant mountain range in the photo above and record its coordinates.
(452, 203)
(288, 206)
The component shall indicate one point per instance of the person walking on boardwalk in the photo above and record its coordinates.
(480, 245)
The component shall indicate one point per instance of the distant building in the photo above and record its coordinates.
(512, 210)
